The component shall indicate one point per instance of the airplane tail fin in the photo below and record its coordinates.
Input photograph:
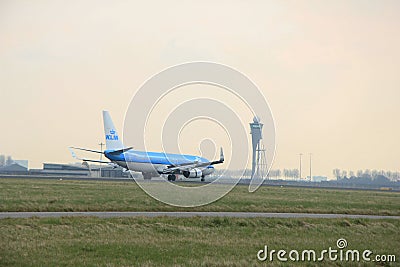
(113, 141)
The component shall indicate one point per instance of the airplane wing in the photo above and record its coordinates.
(84, 149)
(100, 152)
(191, 165)
(71, 149)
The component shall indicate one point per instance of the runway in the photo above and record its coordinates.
(245, 182)
(113, 214)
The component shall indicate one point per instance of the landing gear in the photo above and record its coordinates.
(202, 178)
(146, 176)
(171, 177)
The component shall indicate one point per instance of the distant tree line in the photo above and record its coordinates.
(5, 160)
(367, 177)
(232, 173)
(287, 173)
(366, 174)
(362, 178)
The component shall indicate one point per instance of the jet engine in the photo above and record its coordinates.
(193, 173)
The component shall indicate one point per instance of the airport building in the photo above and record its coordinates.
(14, 168)
(79, 170)
(318, 178)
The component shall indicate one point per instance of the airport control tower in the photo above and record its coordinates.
(259, 163)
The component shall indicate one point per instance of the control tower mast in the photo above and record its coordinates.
(259, 163)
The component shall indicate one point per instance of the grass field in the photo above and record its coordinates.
(55, 195)
(199, 241)
(183, 241)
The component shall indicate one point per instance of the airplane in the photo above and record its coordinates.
(150, 164)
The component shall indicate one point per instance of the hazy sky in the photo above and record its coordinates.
(329, 69)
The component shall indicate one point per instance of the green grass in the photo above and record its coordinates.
(196, 241)
(199, 241)
(55, 195)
